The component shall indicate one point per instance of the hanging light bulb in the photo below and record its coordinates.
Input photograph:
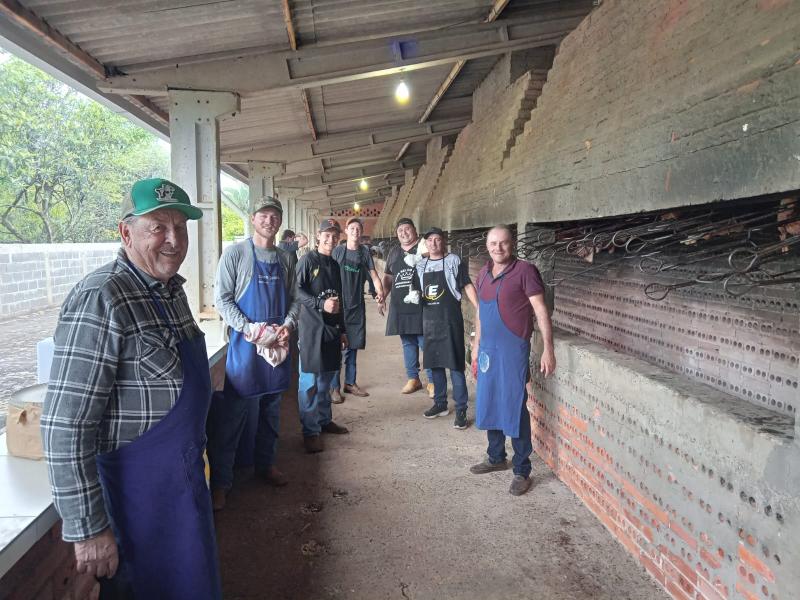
(363, 185)
(401, 93)
(356, 206)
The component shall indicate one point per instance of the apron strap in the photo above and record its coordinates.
(501, 278)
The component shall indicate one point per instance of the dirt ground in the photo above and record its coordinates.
(18, 355)
(391, 511)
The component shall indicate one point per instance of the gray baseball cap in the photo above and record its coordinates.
(265, 202)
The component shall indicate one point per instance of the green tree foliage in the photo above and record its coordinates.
(66, 162)
(232, 223)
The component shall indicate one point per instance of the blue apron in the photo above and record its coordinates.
(503, 368)
(157, 498)
(264, 301)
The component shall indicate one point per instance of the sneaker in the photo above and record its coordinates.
(313, 444)
(519, 485)
(218, 498)
(488, 467)
(272, 476)
(430, 389)
(336, 396)
(355, 390)
(411, 386)
(461, 419)
(334, 428)
(437, 410)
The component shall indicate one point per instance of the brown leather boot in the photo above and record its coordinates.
(336, 396)
(355, 390)
(334, 428)
(430, 389)
(272, 476)
(411, 386)
(218, 498)
(313, 444)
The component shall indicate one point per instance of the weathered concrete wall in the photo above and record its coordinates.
(702, 489)
(34, 276)
(386, 222)
(649, 104)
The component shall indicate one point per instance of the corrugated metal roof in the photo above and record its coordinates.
(125, 32)
(371, 103)
(277, 116)
(136, 34)
(327, 21)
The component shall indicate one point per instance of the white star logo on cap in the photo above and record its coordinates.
(164, 193)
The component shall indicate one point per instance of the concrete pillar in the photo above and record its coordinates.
(262, 177)
(288, 197)
(194, 141)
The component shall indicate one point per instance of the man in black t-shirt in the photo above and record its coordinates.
(322, 336)
(356, 266)
(405, 319)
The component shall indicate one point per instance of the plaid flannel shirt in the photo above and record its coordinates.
(116, 372)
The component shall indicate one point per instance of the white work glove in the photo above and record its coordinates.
(412, 297)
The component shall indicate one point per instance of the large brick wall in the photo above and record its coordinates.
(649, 104)
(702, 490)
(654, 104)
(35, 276)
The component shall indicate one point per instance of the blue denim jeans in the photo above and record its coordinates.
(412, 344)
(314, 401)
(242, 432)
(522, 445)
(349, 356)
(459, 381)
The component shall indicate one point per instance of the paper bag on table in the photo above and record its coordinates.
(22, 431)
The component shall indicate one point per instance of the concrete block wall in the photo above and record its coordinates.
(36, 276)
(703, 490)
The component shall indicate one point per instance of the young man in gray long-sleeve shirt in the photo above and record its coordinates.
(255, 284)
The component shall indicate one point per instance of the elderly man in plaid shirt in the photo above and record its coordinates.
(125, 413)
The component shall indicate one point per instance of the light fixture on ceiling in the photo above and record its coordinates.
(356, 206)
(363, 185)
(401, 93)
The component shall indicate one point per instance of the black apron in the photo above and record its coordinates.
(442, 324)
(355, 312)
(403, 319)
(319, 333)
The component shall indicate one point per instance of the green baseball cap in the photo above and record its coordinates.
(148, 195)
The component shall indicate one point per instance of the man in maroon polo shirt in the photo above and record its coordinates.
(510, 293)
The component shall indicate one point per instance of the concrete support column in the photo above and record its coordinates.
(194, 140)
(288, 197)
(261, 177)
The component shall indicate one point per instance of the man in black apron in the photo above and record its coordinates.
(356, 267)
(321, 336)
(442, 278)
(405, 319)
(510, 292)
